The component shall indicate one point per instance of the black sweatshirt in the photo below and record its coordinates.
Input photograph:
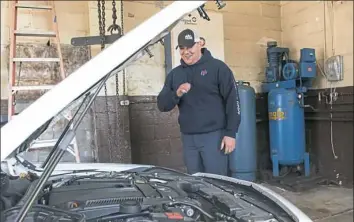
(211, 104)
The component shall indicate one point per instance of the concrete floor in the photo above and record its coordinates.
(323, 203)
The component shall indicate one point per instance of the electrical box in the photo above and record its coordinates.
(333, 68)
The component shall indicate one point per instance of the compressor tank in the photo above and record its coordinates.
(286, 127)
(243, 160)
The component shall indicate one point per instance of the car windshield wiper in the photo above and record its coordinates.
(96, 173)
(59, 149)
(78, 171)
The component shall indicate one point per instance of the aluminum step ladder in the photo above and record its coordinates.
(15, 6)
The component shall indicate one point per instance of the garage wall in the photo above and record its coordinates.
(328, 27)
(323, 25)
(246, 27)
(74, 13)
(245, 23)
(214, 35)
(155, 136)
(67, 12)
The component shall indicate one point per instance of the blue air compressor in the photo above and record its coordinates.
(286, 82)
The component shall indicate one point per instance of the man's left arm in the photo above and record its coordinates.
(229, 92)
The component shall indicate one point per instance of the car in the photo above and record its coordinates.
(56, 191)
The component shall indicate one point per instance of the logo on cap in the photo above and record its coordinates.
(188, 37)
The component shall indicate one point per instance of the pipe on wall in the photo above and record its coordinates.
(329, 119)
(168, 53)
(330, 111)
(313, 95)
(343, 104)
(317, 119)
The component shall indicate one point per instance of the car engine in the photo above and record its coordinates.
(134, 197)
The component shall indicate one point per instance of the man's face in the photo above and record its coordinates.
(191, 55)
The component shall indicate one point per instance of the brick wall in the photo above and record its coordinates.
(111, 130)
(335, 162)
(155, 136)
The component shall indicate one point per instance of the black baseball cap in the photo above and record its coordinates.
(187, 38)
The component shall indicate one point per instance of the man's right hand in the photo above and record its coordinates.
(182, 89)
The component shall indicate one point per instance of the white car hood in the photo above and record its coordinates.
(119, 54)
(286, 205)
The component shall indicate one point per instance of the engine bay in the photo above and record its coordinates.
(147, 196)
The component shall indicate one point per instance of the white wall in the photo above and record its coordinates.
(212, 31)
(243, 24)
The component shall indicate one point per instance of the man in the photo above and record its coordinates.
(209, 109)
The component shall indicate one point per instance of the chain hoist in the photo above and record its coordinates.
(102, 29)
(123, 71)
(114, 26)
(102, 21)
(122, 26)
(114, 16)
(111, 28)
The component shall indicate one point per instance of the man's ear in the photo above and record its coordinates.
(202, 42)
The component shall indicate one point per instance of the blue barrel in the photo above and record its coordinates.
(286, 127)
(243, 161)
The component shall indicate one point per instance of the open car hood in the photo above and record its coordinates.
(115, 57)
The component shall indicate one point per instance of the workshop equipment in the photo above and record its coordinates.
(286, 83)
(114, 58)
(15, 6)
(14, 32)
(243, 160)
(103, 39)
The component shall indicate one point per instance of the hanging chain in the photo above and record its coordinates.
(103, 21)
(100, 23)
(114, 26)
(121, 148)
(122, 26)
(114, 17)
(117, 90)
(120, 29)
(102, 27)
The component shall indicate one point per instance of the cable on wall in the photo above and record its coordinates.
(333, 94)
